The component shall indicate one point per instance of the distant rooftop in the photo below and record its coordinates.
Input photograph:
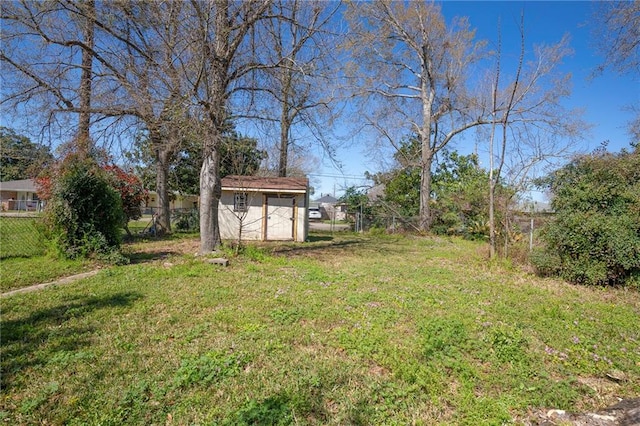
(327, 199)
(27, 185)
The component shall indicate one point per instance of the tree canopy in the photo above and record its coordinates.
(19, 157)
(239, 156)
(459, 201)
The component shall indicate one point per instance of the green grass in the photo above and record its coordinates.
(24, 262)
(138, 226)
(21, 272)
(343, 330)
(19, 237)
(22, 256)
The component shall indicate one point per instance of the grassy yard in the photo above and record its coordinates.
(23, 258)
(19, 237)
(22, 255)
(18, 272)
(344, 330)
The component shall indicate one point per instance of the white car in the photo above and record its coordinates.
(315, 214)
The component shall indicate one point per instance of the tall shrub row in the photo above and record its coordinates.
(595, 237)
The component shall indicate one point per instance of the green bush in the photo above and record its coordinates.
(188, 220)
(84, 214)
(546, 263)
(595, 237)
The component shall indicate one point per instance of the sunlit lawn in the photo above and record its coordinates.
(18, 272)
(342, 330)
(24, 260)
(19, 236)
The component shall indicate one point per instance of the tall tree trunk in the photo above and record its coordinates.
(163, 156)
(210, 181)
(285, 123)
(218, 56)
(492, 215)
(507, 228)
(494, 176)
(284, 143)
(210, 192)
(425, 190)
(427, 150)
(492, 180)
(84, 137)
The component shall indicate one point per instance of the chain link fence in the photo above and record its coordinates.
(16, 206)
(21, 232)
(20, 236)
(520, 224)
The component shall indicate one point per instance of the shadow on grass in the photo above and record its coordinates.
(320, 237)
(321, 245)
(280, 409)
(37, 338)
(148, 256)
(170, 236)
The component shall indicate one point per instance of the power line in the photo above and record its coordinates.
(339, 176)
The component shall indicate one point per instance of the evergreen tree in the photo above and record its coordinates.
(19, 157)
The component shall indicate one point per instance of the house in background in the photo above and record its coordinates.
(20, 195)
(264, 208)
(330, 208)
(178, 202)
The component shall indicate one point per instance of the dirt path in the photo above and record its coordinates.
(65, 280)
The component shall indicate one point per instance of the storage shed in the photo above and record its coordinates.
(264, 208)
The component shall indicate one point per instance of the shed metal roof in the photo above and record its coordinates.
(265, 184)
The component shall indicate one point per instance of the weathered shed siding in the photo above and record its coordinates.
(273, 204)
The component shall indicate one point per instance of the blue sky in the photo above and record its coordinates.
(602, 97)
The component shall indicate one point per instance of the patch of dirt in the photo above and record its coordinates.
(324, 250)
(625, 412)
(179, 247)
(378, 370)
(605, 391)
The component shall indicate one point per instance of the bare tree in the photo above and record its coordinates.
(616, 34)
(533, 126)
(172, 66)
(148, 60)
(220, 31)
(47, 63)
(88, 27)
(414, 72)
(138, 77)
(494, 173)
(411, 70)
(300, 83)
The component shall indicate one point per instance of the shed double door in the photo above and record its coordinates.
(280, 218)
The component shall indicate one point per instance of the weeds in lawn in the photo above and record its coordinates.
(365, 330)
(210, 368)
(509, 345)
